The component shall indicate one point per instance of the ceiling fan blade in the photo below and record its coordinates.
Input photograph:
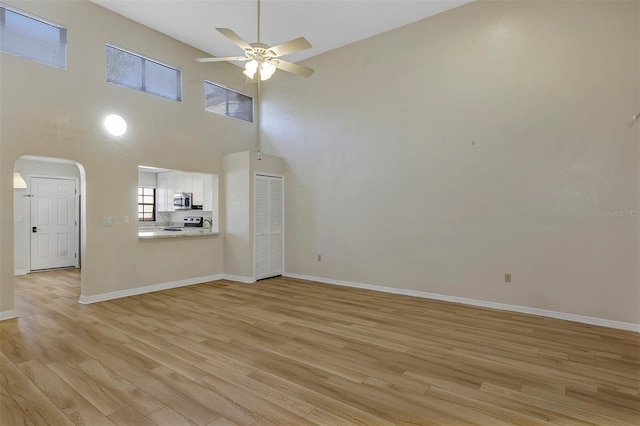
(292, 68)
(222, 59)
(291, 46)
(234, 38)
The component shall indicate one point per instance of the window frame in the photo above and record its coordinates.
(229, 89)
(144, 59)
(154, 204)
(62, 35)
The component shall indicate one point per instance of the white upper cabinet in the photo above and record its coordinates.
(197, 180)
(184, 181)
(166, 189)
(199, 184)
(207, 184)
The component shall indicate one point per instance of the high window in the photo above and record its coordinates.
(140, 73)
(227, 102)
(146, 204)
(33, 38)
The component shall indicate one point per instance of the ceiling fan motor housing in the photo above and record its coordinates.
(260, 52)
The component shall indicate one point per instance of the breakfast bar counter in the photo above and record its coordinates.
(161, 232)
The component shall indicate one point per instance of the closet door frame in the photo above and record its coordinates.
(254, 227)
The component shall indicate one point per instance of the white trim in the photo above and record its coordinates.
(85, 300)
(19, 272)
(10, 314)
(474, 302)
(238, 278)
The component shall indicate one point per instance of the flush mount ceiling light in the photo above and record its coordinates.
(262, 58)
(115, 125)
(18, 181)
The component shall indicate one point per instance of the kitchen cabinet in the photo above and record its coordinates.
(184, 181)
(166, 189)
(207, 198)
(202, 190)
(199, 184)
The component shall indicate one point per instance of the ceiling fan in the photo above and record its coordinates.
(262, 59)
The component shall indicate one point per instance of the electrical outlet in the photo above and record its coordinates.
(107, 221)
(319, 258)
(507, 278)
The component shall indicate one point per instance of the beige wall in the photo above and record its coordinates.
(489, 139)
(53, 113)
(237, 239)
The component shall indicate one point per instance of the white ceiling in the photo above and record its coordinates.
(327, 24)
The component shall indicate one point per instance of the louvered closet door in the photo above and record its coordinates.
(268, 202)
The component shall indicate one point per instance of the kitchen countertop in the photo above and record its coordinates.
(159, 232)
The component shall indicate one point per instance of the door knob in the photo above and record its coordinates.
(34, 229)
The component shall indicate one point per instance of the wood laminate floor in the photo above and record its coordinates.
(286, 351)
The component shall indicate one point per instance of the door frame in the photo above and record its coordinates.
(253, 222)
(76, 216)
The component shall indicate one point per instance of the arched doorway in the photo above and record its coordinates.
(49, 215)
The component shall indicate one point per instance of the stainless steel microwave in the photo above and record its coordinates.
(182, 200)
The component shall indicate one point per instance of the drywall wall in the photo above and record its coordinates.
(237, 239)
(57, 113)
(489, 139)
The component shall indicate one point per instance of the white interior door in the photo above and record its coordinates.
(53, 223)
(268, 226)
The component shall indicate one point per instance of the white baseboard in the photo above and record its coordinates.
(85, 300)
(485, 304)
(17, 272)
(10, 314)
(239, 278)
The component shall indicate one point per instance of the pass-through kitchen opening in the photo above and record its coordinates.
(176, 203)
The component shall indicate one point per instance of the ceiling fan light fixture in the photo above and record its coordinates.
(260, 57)
(264, 68)
(267, 69)
(250, 68)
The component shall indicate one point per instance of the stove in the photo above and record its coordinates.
(193, 222)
